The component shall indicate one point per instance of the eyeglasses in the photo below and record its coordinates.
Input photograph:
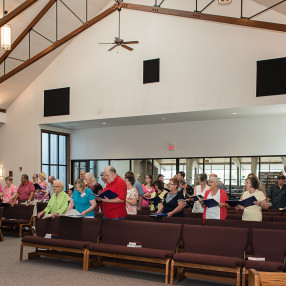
(57, 186)
(171, 184)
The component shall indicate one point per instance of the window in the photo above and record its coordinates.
(55, 155)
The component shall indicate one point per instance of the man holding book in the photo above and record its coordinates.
(114, 208)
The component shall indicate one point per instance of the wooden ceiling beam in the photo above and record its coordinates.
(207, 17)
(60, 42)
(21, 8)
(27, 30)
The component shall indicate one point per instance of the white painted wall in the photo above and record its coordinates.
(228, 137)
(203, 66)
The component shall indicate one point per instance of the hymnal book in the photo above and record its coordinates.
(46, 216)
(37, 187)
(154, 200)
(158, 214)
(210, 203)
(4, 205)
(134, 244)
(245, 203)
(195, 198)
(108, 193)
(73, 213)
(256, 258)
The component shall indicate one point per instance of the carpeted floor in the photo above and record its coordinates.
(48, 271)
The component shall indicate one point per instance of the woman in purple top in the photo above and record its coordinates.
(42, 194)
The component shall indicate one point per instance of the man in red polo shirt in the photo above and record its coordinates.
(26, 195)
(114, 208)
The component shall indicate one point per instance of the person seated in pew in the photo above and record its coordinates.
(159, 194)
(58, 203)
(174, 202)
(9, 192)
(253, 213)
(132, 195)
(219, 211)
(83, 200)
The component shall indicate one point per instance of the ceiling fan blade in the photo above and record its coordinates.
(131, 42)
(126, 47)
(106, 43)
(112, 48)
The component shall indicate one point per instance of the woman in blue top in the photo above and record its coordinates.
(83, 199)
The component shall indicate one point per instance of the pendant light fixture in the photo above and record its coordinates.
(224, 2)
(6, 39)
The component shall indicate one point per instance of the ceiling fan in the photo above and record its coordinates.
(120, 42)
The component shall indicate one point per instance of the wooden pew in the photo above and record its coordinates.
(256, 278)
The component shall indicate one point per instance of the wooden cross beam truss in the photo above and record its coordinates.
(157, 9)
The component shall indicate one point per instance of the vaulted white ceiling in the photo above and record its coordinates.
(67, 22)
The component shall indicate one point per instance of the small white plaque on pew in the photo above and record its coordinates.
(256, 258)
(134, 244)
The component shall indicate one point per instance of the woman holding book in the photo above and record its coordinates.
(220, 196)
(83, 200)
(58, 203)
(254, 212)
(200, 190)
(158, 195)
(148, 190)
(174, 202)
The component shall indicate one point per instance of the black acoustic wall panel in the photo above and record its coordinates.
(151, 71)
(271, 77)
(57, 102)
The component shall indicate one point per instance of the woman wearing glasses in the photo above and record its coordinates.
(58, 203)
(174, 202)
(219, 195)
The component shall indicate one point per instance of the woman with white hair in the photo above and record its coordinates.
(58, 203)
(220, 211)
(95, 187)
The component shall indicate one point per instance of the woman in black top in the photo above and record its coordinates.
(174, 201)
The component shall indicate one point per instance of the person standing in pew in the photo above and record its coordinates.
(158, 195)
(277, 193)
(114, 209)
(139, 189)
(253, 213)
(58, 203)
(132, 195)
(219, 195)
(200, 190)
(187, 191)
(83, 199)
(26, 195)
(174, 202)
(9, 192)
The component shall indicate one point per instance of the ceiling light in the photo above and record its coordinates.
(163, 118)
(233, 113)
(6, 37)
(103, 123)
(224, 2)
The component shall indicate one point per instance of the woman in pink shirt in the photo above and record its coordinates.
(9, 191)
(148, 190)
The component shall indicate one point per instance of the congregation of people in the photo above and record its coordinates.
(87, 195)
